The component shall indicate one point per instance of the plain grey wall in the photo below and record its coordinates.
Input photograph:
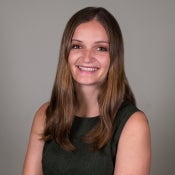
(30, 32)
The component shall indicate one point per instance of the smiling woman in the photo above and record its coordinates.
(91, 122)
(89, 58)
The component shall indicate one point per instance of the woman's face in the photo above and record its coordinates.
(89, 58)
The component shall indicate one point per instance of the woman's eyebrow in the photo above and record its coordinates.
(106, 42)
(76, 40)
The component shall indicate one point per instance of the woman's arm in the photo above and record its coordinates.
(134, 148)
(32, 163)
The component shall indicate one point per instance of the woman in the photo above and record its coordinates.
(90, 125)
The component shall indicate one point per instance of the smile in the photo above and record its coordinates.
(89, 69)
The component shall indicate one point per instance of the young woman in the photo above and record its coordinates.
(91, 124)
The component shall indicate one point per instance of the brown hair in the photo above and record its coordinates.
(61, 109)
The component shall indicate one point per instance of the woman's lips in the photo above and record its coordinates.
(88, 68)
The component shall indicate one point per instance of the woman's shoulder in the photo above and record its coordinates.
(135, 120)
(42, 109)
(134, 145)
(138, 120)
(39, 119)
(133, 113)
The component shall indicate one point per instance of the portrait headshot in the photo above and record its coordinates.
(87, 87)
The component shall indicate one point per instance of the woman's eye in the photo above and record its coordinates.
(104, 49)
(75, 46)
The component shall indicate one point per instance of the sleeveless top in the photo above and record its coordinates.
(84, 161)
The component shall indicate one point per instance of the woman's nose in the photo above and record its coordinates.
(88, 55)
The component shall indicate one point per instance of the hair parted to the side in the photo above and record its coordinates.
(61, 110)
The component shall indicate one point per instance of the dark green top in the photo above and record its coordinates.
(83, 161)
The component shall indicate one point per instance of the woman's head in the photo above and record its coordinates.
(111, 26)
(89, 58)
(106, 20)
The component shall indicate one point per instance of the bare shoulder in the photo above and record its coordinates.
(42, 109)
(39, 119)
(137, 122)
(32, 163)
(136, 128)
(134, 148)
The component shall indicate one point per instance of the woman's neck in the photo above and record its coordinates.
(87, 101)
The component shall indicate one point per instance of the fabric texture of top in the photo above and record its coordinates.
(84, 161)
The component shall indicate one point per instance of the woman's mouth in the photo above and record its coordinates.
(88, 69)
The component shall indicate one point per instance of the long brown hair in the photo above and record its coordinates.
(115, 90)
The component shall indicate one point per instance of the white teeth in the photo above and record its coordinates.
(90, 69)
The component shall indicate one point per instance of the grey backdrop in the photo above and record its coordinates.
(30, 33)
